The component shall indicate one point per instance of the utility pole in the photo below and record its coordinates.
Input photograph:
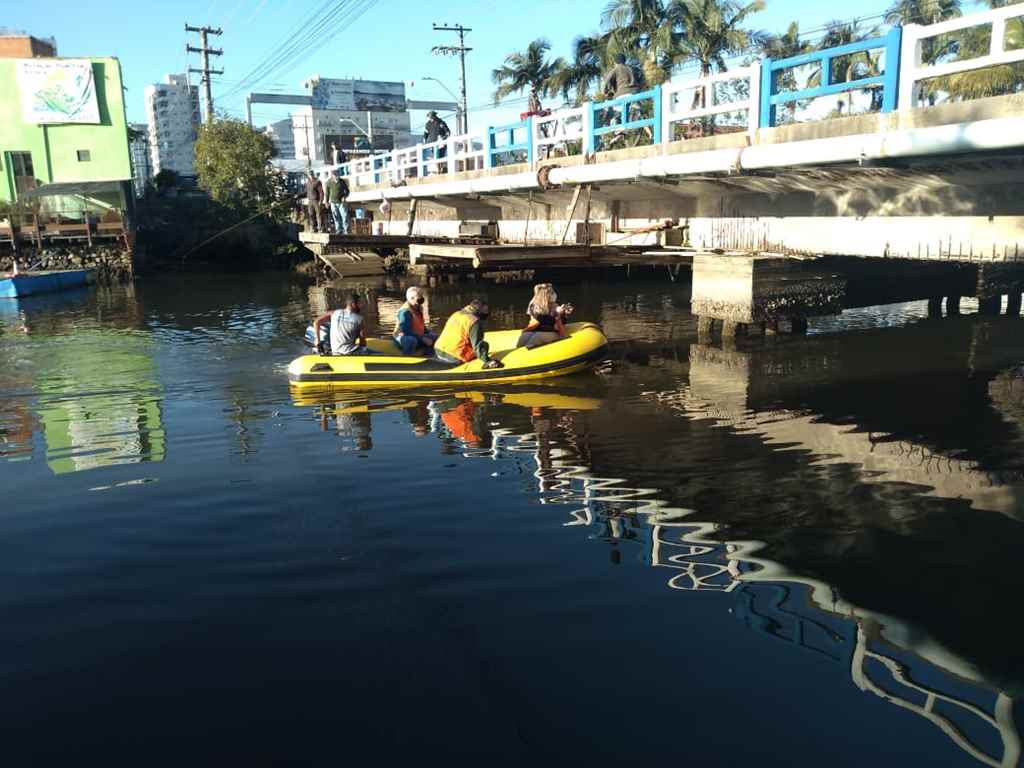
(206, 52)
(461, 50)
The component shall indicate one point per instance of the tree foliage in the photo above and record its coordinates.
(529, 70)
(659, 38)
(233, 165)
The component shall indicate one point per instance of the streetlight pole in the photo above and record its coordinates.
(461, 50)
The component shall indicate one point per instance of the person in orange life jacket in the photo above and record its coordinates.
(461, 423)
(348, 335)
(411, 332)
(462, 339)
(547, 318)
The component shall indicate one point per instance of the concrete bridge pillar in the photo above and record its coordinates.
(952, 305)
(743, 290)
(935, 307)
(1013, 304)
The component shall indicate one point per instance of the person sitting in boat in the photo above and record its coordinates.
(411, 332)
(348, 335)
(547, 318)
(462, 339)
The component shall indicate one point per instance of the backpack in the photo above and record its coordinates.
(343, 188)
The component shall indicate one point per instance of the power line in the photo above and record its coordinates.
(328, 23)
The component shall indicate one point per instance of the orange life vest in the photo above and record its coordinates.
(459, 421)
(454, 339)
(419, 326)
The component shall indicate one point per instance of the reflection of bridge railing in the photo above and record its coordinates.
(887, 71)
(769, 600)
(1000, 719)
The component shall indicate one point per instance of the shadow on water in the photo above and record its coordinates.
(849, 498)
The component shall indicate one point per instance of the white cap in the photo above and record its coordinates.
(413, 293)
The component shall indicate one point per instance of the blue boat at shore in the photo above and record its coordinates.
(13, 286)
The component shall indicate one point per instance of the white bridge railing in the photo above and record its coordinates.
(557, 134)
(733, 91)
(913, 69)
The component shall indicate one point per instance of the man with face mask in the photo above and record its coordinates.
(462, 339)
(411, 333)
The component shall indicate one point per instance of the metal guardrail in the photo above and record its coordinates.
(889, 69)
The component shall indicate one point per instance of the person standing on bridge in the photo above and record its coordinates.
(314, 197)
(435, 129)
(621, 80)
(411, 332)
(336, 191)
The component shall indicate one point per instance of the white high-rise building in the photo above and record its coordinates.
(172, 110)
(142, 164)
(281, 136)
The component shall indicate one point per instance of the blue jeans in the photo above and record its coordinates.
(409, 344)
(340, 215)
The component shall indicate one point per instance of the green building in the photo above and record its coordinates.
(64, 123)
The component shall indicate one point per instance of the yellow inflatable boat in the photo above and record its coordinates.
(584, 346)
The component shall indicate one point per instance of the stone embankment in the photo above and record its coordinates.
(113, 264)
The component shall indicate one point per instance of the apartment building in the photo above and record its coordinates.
(172, 112)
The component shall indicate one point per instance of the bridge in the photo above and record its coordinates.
(854, 151)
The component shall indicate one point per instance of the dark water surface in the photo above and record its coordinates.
(795, 551)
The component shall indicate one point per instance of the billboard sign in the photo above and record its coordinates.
(57, 91)
(358, 95)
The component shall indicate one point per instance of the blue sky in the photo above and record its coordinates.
(391, 41)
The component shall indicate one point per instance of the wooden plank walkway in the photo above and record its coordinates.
(480, 256)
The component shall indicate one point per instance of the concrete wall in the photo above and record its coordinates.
(54, 147)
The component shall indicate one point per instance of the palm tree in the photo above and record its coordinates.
(786, 45)
(642, 31)
(530, 69)
(575, 79)
(922, 11)
(713, 31)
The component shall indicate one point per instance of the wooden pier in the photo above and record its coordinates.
(364, 255)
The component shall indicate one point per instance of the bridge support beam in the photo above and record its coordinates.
(935, 306)
(952, 305)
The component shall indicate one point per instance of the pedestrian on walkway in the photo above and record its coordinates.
(337, 191)
(314, 197)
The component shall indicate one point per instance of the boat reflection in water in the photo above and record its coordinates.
(554, 435)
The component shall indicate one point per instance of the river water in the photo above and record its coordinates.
(791, 551)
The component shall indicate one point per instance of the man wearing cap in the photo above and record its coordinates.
(462, 339)
(435, 128)
(411, 332)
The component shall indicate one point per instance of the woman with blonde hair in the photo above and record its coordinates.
(547, 318)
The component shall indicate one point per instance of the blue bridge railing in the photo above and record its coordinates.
(502, 141)
(867, 66)
(626, 113)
